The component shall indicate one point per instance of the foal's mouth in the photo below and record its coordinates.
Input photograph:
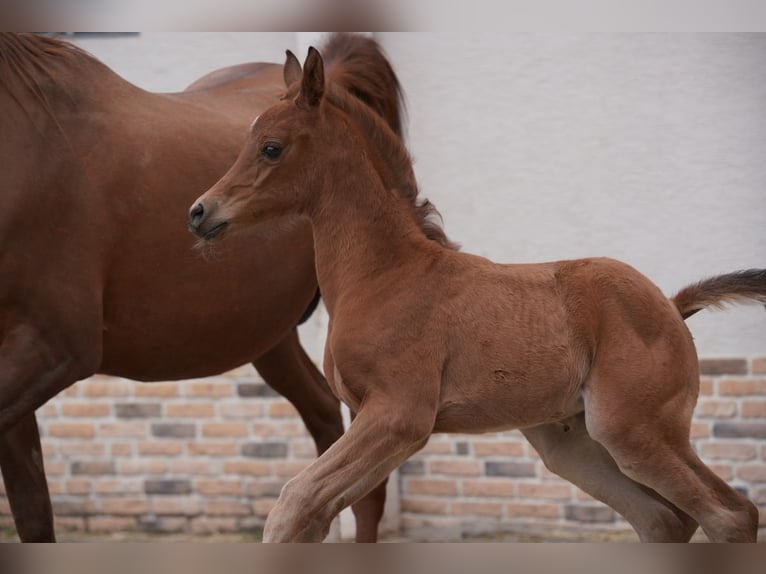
(211, 233)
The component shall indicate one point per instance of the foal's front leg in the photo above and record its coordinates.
(384, 434)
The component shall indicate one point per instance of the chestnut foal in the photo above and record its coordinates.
(587, 357)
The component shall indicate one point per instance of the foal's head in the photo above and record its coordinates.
(277, 170)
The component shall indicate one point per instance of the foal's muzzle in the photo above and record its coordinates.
(197, 220)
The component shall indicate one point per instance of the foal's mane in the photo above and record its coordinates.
(361, 83)
(391, 151)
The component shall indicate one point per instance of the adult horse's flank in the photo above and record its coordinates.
(586, 357)
(98, 276)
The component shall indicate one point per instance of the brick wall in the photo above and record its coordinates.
(211, 455)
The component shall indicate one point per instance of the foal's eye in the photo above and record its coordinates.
(271, 150)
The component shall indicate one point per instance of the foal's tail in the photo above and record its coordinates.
(748, 286)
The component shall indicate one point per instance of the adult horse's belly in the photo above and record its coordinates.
(174, 312)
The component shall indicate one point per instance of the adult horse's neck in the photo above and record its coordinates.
(361, 230)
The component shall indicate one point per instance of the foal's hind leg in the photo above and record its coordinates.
(21, 461)
(640, 409)
(290, 372)
(568, 450)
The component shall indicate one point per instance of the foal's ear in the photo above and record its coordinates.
(312, 83)
(292, 69)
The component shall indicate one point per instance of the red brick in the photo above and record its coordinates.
(759, 366)
(132, 429)
(105, 388)
(189, 410)
(214, 525)
(754, 409)
(142, 467)
(72, 409)
(157, 390)
(218, 486)
(723, 366)
(495, 449)
(248, 410)
(460, 508)
(77, 486)
(212, 449)
(227, 507)
(74, 507)
(455, 467)
(752, 472)
(734, 387)
(282, 409)
(111, 524)
(176, 505)
(161, 448)
(724, 471)
(224, 429)
(282, 429)
(699, 430)
(709, 408)
(124, 506)
(209, 389)
(530, 510)
(56, 467)
(69, 524)
(71, 430)
(728, 451)
(424, 505)
(706, 386)
(436, 446)
(264, 488)
(55, 487)
(263, 506)
(288, 469)
(122, 449)
(194, 467)
(549, 491)
(74, 448)
(431, 486)
(489, 488)
(118, 486)
(49, 410)
(248, 467)
(91, 467)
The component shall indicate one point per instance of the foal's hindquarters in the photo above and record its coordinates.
(638, 404)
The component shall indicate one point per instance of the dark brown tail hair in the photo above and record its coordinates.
(747, 286)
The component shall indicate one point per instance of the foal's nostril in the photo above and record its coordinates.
(195, 215)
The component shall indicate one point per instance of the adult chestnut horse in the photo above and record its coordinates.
(587, 357)
(99, 275)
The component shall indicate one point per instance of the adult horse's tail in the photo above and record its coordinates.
(748, 286)
(358, 64)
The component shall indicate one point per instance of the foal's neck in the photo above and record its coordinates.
(361, 230)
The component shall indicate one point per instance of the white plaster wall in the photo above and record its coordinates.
(170, 61)
(648, 148)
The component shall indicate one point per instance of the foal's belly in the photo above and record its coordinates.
(509, 409)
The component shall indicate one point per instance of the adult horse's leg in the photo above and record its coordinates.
(289, 371)
(35, 364)
(21, 462)
(568, 450)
